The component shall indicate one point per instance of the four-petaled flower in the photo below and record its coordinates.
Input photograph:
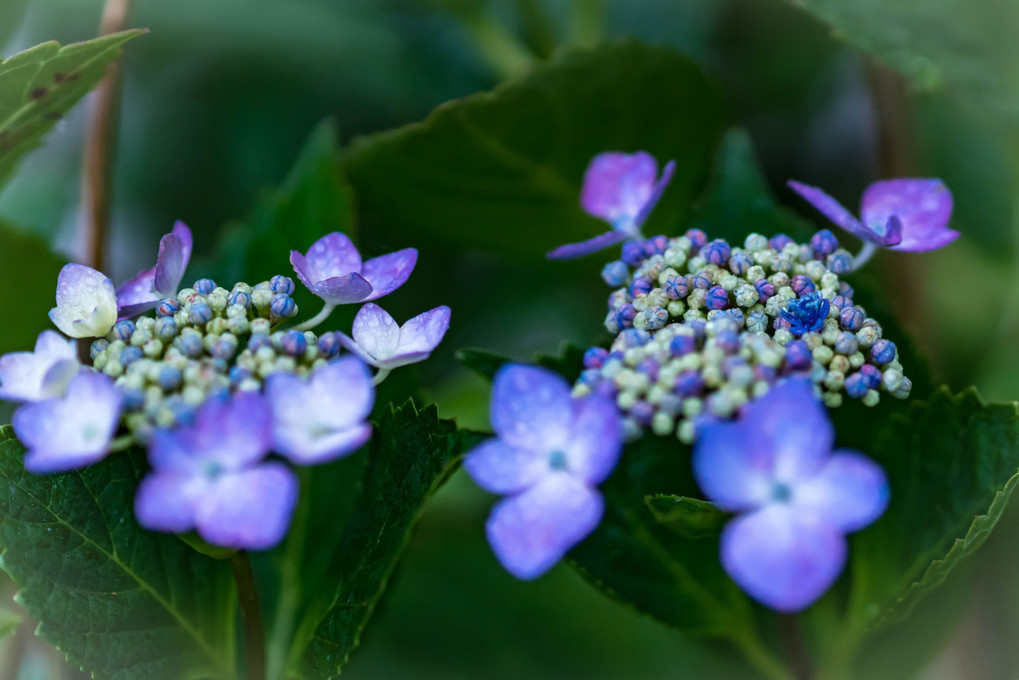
(550, 453)
(86, 302)
(333, 270)
(621, 189)
(145, 289)
(323, 417)
(211, 477)
(806, 314)
(381, 342)
(796, 498)
(72, 431)
(900, 214)
(42, 374)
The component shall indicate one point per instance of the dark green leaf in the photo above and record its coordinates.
(568, 363)
(411, 455)
(28, 267)
(485, 364)
(315, 200)
(38, 86)
(689, 517)
(121, 602)
(502, 171)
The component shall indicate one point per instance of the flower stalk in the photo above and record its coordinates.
(251, 614)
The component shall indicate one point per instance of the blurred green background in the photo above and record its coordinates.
(218, 101)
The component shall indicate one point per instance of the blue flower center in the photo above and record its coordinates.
(781, 493)
(557, 460)
(806, 314)
(213, 470)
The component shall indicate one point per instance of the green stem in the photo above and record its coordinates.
(759, 656)
(537, 28)
(795, 647)
(505, 52)
(381, 375)
(317, 319)
(251, 614)
(587, 24)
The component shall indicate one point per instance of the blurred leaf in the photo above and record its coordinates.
(688, 517)
(412, 453)
(11, 12)
(38, 86)
(313, 201)
(9, 621)
(485, 364)
(502, 171)
(738, 199)
(28, 267)
(117, 600)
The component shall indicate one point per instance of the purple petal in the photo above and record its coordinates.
(250, 509)
(600, 242)
(332, 256)
(500, 468)
(168, 501)
(837, 213)
(376, 331)
(424, 332)
(793, 426)
(924, 207)
(531, 408)
(137, 295)
(350, 345)
(86, 302)
(389, 272)
(596, 440)
(618, 185)
(71, 432)
(173, 258)
(656, 193)
(342, 290)
(322, 418)
(41, 374)
(849, 492)
(731, 467)
(781, 558)
(234, 432)
(529, 533)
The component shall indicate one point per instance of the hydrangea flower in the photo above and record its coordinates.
(796, 499)
(211, 477)
(145, 289)
(382, 343)
(72, 431)
(901, 214)
(806, 314)
(549, 455)
(323, 417)
(86, 302)
(621, 189)
(333, 270)
(42, 374)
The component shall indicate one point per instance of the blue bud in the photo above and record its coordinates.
(688, 384)
(595, 357)
(134, 400)
(681, 345)
(167, 307)
(98, 347)
(239, 375)
(615, 273)
(166, 328)
(823, 243)
(294, 343)
(329, 344)
(640, 286)
(728, 341)
(851, 318)
(697, 238)
(857, 385)
(200, 314)
(740, 263)
(655, 318)
(642, 412)
(872, 374)
(169, 378)
(779, 241)
(224, 348)
(655, 245)
(676, 287)
(841, 302)
(633, 337)
(239, 297)
(802, 285)
(189, 345)
(765, 289)
(281, 284)
(847, 343)
(701, 280)
(845, 289)
(882, 351)
(283, 305)
(717, 252)
(130, 354)
(840, 262)
(633, 253)
(123, 330)
(625, 316)
(649, 367)
(798, 356)
(204, 286)
(717, 298)
(259, 340)
(806, 314)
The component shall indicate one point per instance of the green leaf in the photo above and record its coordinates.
(501, 171)
(121, 602)
(952, 464)
(38, 86)
(9, 621)
(482, 362)
(28, 267)
(412, 453)
(313, 201)
(689, 517)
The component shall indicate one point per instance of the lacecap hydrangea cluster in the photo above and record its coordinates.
(703, 327)
(226, 393)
